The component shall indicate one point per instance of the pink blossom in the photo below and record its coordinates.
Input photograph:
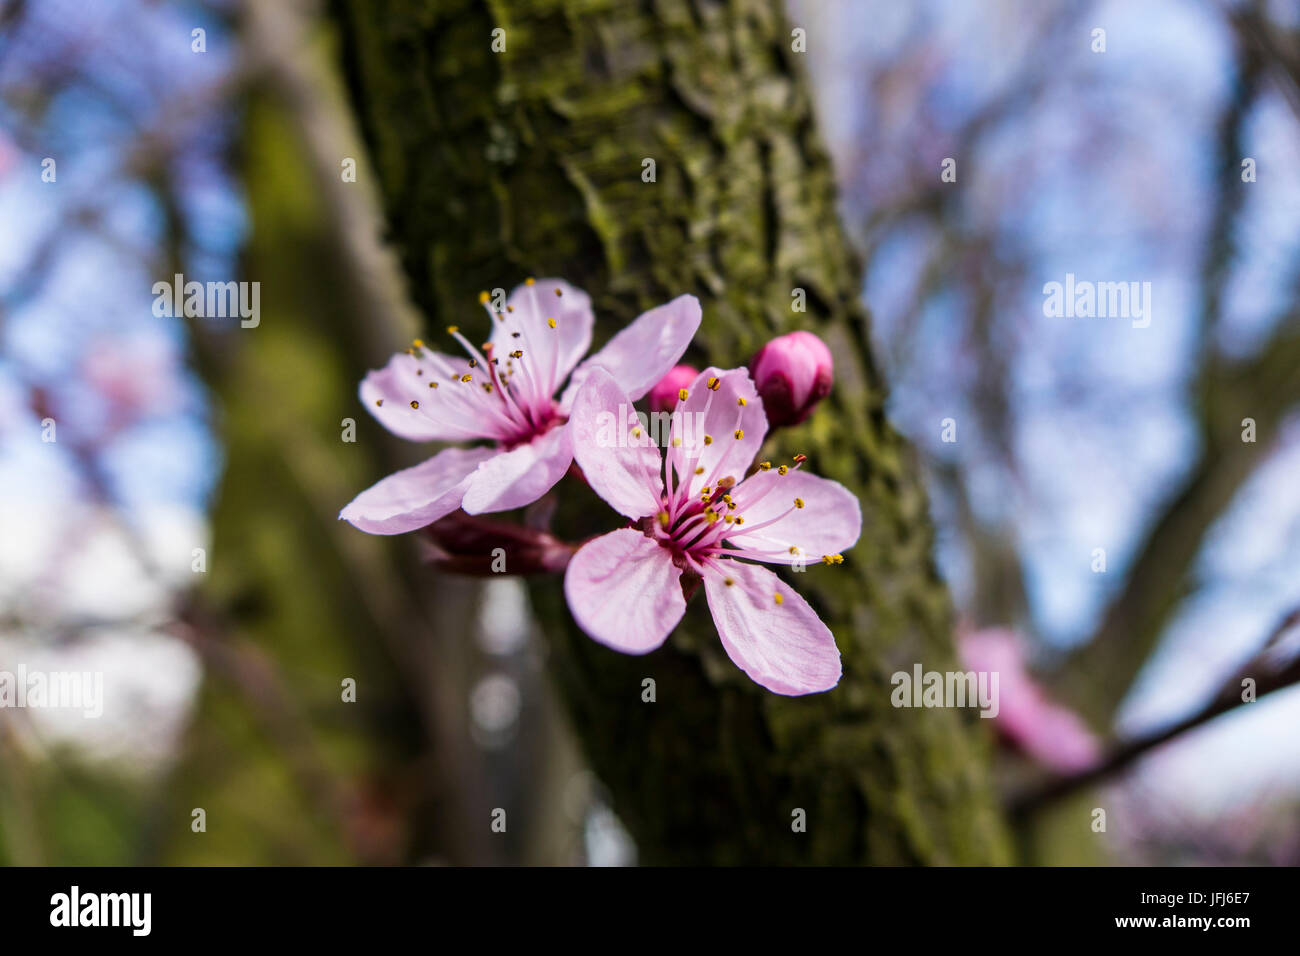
(793, 373)
(504, 393)
(663, 397)
(691, 514)
(1048, 732)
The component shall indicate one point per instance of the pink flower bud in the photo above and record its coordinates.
(663, 397)
(792, 373)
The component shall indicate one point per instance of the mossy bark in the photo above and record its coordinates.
(530, 161)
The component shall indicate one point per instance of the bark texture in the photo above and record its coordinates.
(498, 165)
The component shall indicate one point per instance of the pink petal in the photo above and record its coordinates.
(520, 476)
(414, 497)
(829, 521)
(784, 647)
(388, 392)
(643, 352)
(551, 353)
(619, 469)
(624, 591)
(726, 455)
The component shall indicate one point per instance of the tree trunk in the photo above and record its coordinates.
(530, 161)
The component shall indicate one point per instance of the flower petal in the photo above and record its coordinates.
(616, 464)
(441, 414)
(550, 353)
(624, 591)
(829, 521)
(520, 476)
(414, 497)
(711, 419)
(643, 352)
(784, 647)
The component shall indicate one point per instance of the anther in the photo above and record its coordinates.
(682, 394)
(414, 403)
(741, 401)
(728, 582)
(551, 323)
(467, 378)
(800, 459)
(708, 439)
(765, 466)
(453, 329)
(798, 502)
(740, 433)
(664, 518)
(530, 281)
(784, 469)
(379, 402)
(483, 297)
(778, 598)
(713, 383)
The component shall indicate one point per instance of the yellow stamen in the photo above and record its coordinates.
(741, 401)
(784, 469)
(765, 466)
(467, 378)
(663, 518)
(798, 502)
(636, 433)
(530, 281)
(433, 384)
(418, 343)
(453, 329)
(700, 470)
(728, 582)
(708, 439)
(414, 403)
(778, 598)
(713, 383)
(682, 394)
(483, 297)
(551, 323)
(379, 402)
(740, 433)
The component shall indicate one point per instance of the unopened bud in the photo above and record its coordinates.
(792, 373)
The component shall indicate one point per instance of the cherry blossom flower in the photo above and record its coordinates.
(504, 392)
(693, 518)
(1048, 732)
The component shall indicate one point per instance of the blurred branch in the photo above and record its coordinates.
(1229, 697)
(1097, 676)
